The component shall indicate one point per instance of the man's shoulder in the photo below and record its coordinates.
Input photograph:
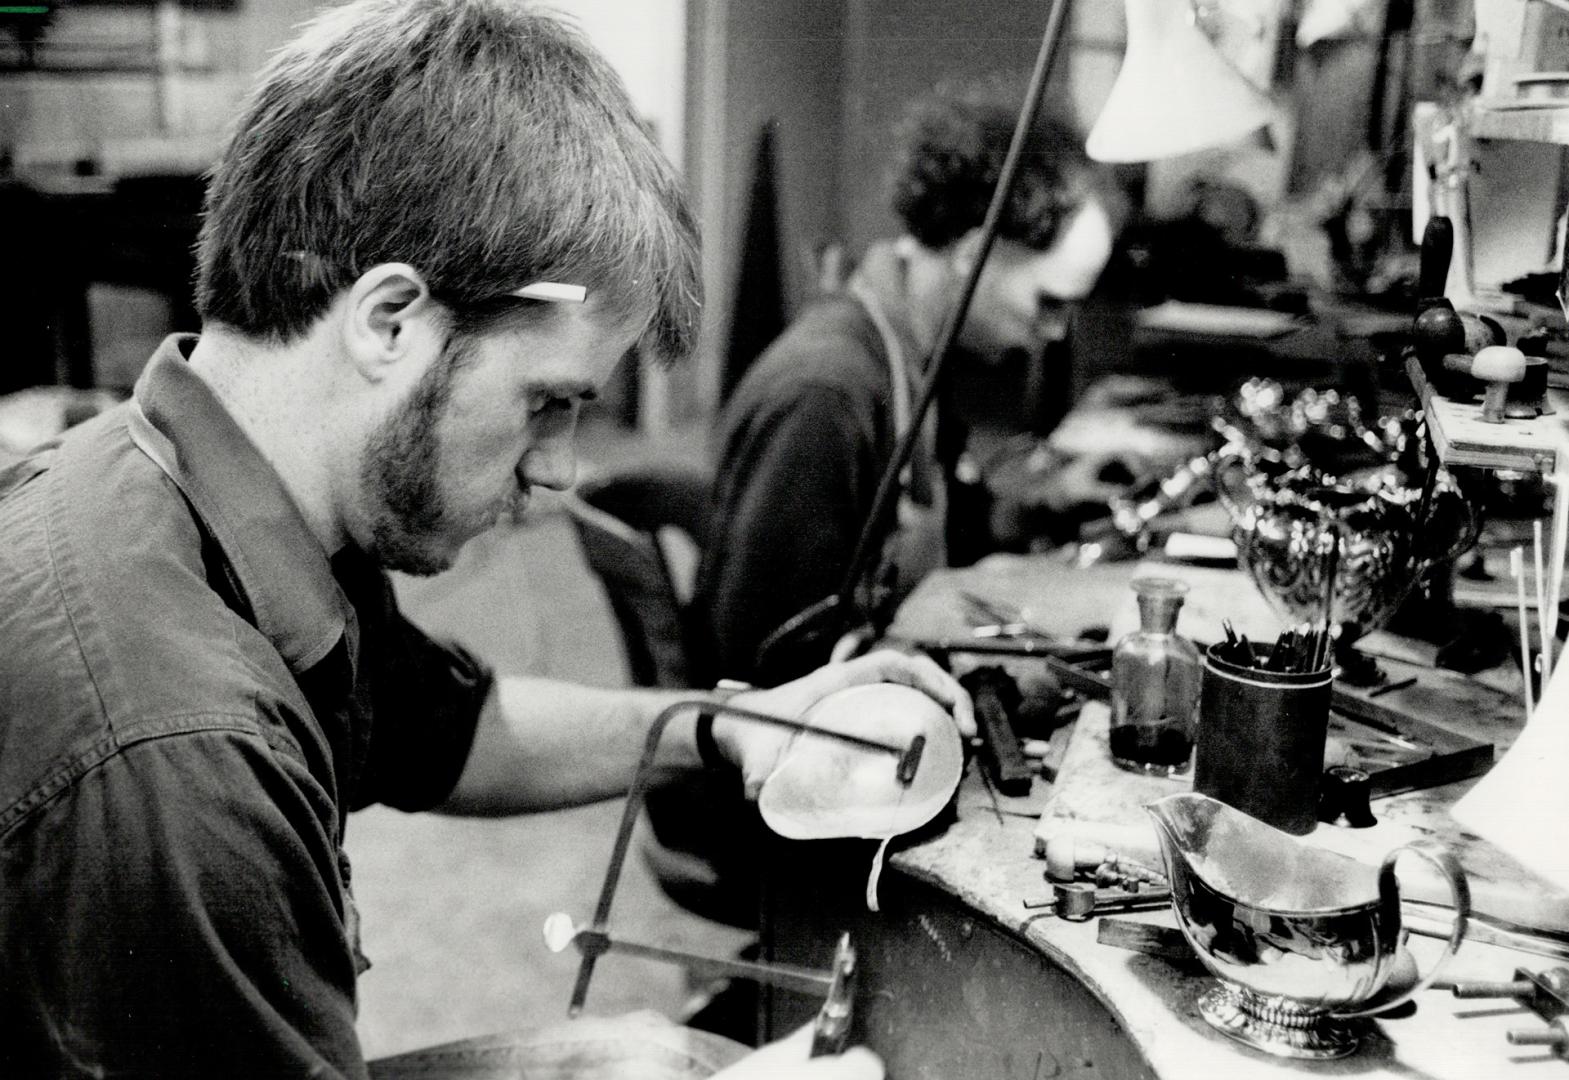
(831, 341)
(109, 628)
(831, 352)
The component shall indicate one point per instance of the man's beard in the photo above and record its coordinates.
(400, 475)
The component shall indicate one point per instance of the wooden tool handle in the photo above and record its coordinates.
(996, 697)
(1438, 246)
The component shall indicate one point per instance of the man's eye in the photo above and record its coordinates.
(544, 402)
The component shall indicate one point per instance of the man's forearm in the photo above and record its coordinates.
(541, 744)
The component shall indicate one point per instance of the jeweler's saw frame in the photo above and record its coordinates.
(833, 1020)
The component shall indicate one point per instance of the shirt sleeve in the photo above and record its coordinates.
(426, 697)
(798, 481)
(182, 917)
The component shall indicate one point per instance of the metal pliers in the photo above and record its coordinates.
(832, 1027)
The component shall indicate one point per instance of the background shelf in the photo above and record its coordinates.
(1463, 439)
(1544, 125)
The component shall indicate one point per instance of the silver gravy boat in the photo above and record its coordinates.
(1302, 941)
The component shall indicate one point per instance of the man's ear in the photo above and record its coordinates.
(389, 318)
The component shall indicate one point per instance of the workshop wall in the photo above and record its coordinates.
(138, 88)
(898, 50)
(752, 61)
(108, 116)
(646, 42)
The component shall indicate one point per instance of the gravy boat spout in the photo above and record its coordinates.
(1302, 940)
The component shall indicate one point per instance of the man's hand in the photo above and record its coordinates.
(789, 1059)
(1085, 480)
(757, 748)
(1123, 392)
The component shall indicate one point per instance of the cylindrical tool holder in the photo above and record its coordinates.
(1261, 740)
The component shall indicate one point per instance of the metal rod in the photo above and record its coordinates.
(1516, 567)
(1555, 566)
(1554, 1036)
(1491, 989)
(1392, 687)
(1541, 605)
(1427, 919)
(1089, 683)
(1071, 649)
(787, 976)
(796, 725)
(1321, 654)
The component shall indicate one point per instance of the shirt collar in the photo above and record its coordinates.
(280, 565)
(882, 273)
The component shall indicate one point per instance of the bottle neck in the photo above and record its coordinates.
(1158, 614)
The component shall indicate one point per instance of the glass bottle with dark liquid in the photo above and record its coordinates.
(1155, 686)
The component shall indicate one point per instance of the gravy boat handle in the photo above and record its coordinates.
(1459, 892)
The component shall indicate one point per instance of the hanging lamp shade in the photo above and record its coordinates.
(1174, 92)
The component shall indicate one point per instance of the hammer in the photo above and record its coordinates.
(1495, 365)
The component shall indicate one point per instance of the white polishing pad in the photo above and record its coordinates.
(829, 789)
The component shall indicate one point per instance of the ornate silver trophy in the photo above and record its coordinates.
(1331, 541)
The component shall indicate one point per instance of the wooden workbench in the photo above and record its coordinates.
(961, 979)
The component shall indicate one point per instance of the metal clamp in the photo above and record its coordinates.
(1079, 901)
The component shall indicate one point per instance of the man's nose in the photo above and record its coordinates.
(550, 463)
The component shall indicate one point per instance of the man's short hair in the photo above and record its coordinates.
(484, 144)
(952, 146)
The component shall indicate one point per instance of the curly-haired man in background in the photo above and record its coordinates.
(811, 428)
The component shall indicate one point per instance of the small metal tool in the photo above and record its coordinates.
(560, 933)
(1554, 1035)
(831, 1029)
(1392, 687)
(1003, 620)
(1080, 901)
(1166, 942)
(1545, 993)
(1430, 919)
(1090, 684)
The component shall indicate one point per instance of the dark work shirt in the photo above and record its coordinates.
(803, 443)
(192, 698)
